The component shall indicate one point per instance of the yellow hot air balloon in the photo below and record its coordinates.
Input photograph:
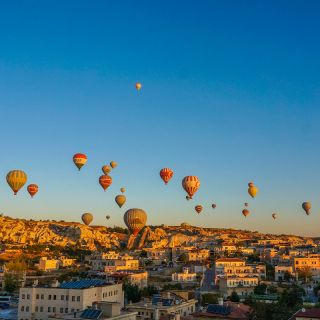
(122, 190)
(138, 85)
(135, 220)
(106, 169)
(113, 164)
(87, 218)
(120, 200)
(274, 216)
(16, 180)
(252, 190)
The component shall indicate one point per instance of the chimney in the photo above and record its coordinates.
(74, 315)
(168, 295)
(177, 317)
(156, 314)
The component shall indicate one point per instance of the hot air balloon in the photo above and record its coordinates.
(214, 206)
(122, 190)
(188, 198)
(120, 200)
(245, 212)
(274, 216)
(87, 218)
(306, 207)
(32, 189)
(138, 85)
(108, 217)
(252, 190)
(113, 164)
(166, 174)
(135, 220)
(106, 169)
(198, 208)
(190, 184)
(246, 204)
(79, 160)
(16, 179)
(105, 181)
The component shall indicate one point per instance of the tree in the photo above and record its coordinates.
(254, 257)
(287, 275)
(260, 289)
(170, 286)
(272, 289)
(144, 254)
(210, 298)
(149, 262)
(316, 289)
(131, 291)
(39, 272)
(14, 273)
(149, 290)
(238, 254)
(270, 272)
(268, 311)
(10, 284)
(305, 273)
(183, 258)
(234, 297)
(248, 300)
(239, 244)
(226, 253)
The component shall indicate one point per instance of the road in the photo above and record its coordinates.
(208, 278)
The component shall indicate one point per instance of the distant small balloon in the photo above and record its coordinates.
(32, 189)
(79, 160)
(214, 206)
(113, 164)
(87, 218)
(245, 212)
(306, 207)
(108, 217)
(138, 85)
(246, 204)
(188, 198)
(166, 174)
(106, 169)
(250, 184)
(105, 181)
(198, 208)
(122, 190)
(274, 216)
(120, 200)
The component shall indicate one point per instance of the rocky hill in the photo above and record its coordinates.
(17, 231)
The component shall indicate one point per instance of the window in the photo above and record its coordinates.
(54, 297)
(67, 297)
(78, 298)
(72, 310)
(42, 296)
(49, 297)
(27, 309)
(49, 309)
(62, 297)
(73, 298)
(37, 308)
(37, 296)
(54, 309)
(41, 309)
(28, 296)
(23, 296)
(66, 310)
(61, 310)
(22, 308)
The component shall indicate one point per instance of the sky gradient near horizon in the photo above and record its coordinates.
(230, 93)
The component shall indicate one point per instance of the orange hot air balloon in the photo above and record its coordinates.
(108, 217)
(32, 189)
(246, 204)
(166, 174)
(105, 181)
(306, 207)
(250, 184)
(188, 198)
(79, 160)
(122, 190)
(245, 212)
(138, 85)
(214, 206)
(274, 216)
(198, 208)
(106, 169)
(190, 184)
(113, 164)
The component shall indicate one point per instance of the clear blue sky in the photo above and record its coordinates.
(230, 93)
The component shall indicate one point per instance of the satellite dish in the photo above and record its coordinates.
(303, 310)
(177, 302)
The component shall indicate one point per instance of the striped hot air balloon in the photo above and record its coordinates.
(105, 181)
(190, 184)
(16, 179)
(32, 189)
(245, 212)
(166, 174)
(135, 220)
(198, 208)
(79, 160)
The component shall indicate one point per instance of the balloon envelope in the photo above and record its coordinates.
(214, 206)
(306, 207)
(113, 164)
(198, 208)
(108, 217)
(166, 174)
(138, 85)
(135, 220)
(105, 181)
(79, 160)
(32, 189)
(245, 212)
(250, 184)
(120, 200)
(190, 184)
(274, 216)
(253, 191)
(106, 169)
(246, 204)
(16, 179)
(87, 218)
(122, 190)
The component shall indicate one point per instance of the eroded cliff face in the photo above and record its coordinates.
(17, 231)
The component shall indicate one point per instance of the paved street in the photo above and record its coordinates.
(208, 278)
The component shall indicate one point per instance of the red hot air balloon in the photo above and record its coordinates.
(32, 189)
(79, 160)
(166, 174)
(245, 212)
(105, 181)
(190, 184)
(246, 204)
(250, 184)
